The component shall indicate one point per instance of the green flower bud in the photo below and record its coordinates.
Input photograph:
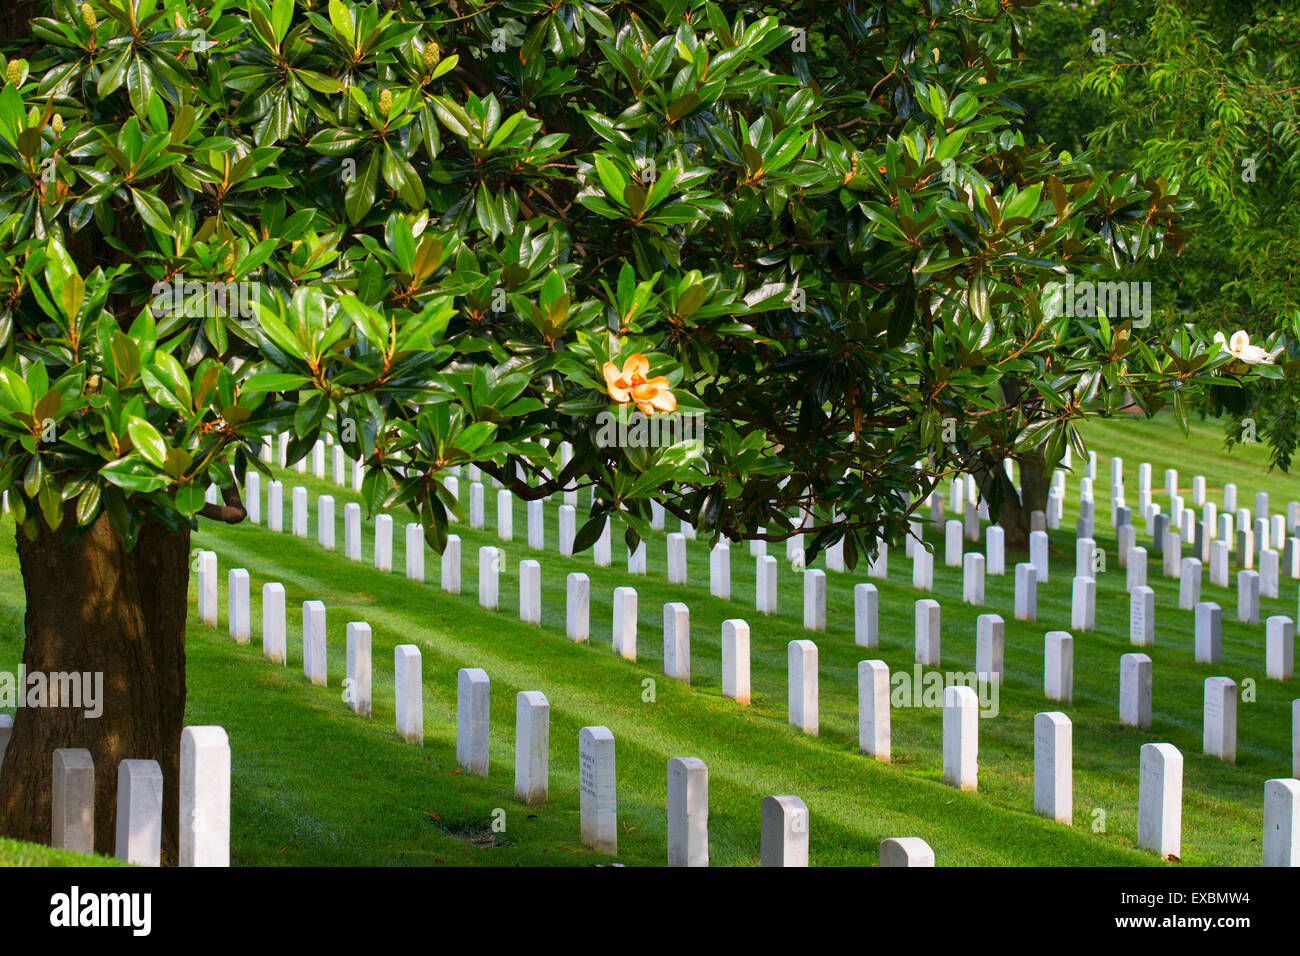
(14, 72)
(432, 54)
(56, 123)
(88, 16)
(385, 102)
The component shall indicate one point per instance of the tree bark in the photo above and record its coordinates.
(94, 607)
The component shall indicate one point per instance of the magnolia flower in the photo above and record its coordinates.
(631, 385)
(1239, 347)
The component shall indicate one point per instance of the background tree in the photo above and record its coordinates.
(1204, 95)
(454, 215)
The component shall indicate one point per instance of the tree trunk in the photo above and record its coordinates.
(94, 607)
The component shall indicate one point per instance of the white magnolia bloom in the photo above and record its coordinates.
(1240, 348)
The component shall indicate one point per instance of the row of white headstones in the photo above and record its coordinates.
(204, 811)
(1052, 731)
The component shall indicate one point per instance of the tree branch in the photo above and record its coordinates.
(231, 512)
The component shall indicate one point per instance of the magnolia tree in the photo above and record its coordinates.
(805, 242)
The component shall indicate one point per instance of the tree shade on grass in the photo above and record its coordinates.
(314, 784)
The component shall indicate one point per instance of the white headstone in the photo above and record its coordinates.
(801, 658)
(274, 505)
(960, 737)
(1142, 617)
(1137, 568)
(1248, 597)
(1220, 726)
(784, 837)
(601, 550)
(922, 569)
(139, 812)
(993, 550)
(688, 812)
(636, 559)
(357, 687)
(72, 801)
(866, 618)
(1208, 633)
(1083, 603)
(765, 584)
(873, 709)
(339, 468)
(352, 531)
(299, 511)
(473, 690)
(408, 692)
(1281, 822)
(814, 600)
(1279, 650)
(274, 643)
(677, 558)
(1084, 549)
(313, 642)
(1245, 548)
(1058, 666)
(384, 542)
(952, 544)
(720, 570)
(1219, 563)
(207, 587)
(1135, 678)
(489, 571)
(990, 638)
(625, 616)
(905, 851)
(1269, 567)
(1038, 554)
(253, 496)
(1189, 584)
(536, 525)
(568, 528)
(927, 632)
(532, 747)
(241, 628)
(1026, 598)
(414, 552)
(449, 572)
(530, 591)
(1054, 767)
(973, 579)
(476, 509)
(577, 614)
(205, 797)
(505, 515)
(325, 522)
(597, 796)
(735, 660)
(1160, 800)
(677, 641)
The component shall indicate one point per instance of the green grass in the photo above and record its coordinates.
(16, 853)
(314, 784)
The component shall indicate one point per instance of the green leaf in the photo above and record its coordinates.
(147, 441)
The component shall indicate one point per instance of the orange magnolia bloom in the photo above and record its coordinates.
(631, 385)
